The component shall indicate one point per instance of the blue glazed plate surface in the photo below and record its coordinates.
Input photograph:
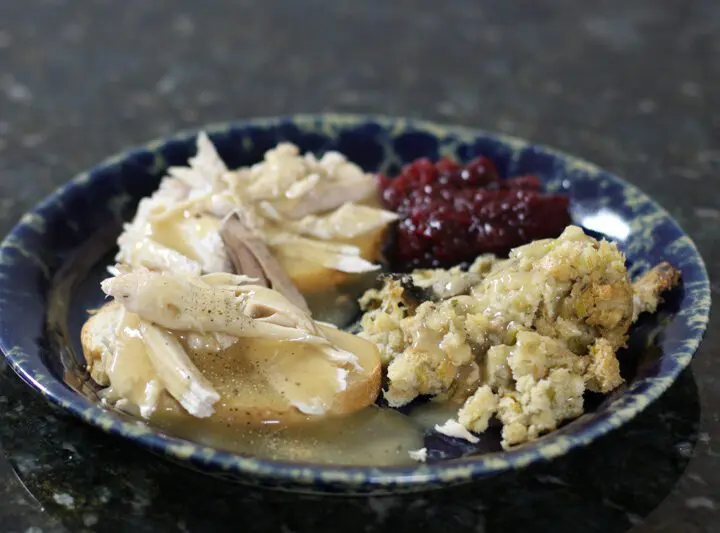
(43, 301)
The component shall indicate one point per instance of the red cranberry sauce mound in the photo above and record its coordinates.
(452, 213)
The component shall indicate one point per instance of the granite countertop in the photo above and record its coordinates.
(633, 85)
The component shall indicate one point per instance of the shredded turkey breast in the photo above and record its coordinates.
(300, 206)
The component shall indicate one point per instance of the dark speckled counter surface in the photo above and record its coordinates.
(633, 85)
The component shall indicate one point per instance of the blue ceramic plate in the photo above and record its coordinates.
(43, 301)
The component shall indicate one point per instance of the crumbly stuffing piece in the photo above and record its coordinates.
(384, 309)
(401, 297)
(439, 337)
(649, 287)
(603, 372)
(535, 356)
(547, 386)
(418, 373)
(523, 343)
(572, 288)
(536, 407)
(476, 412)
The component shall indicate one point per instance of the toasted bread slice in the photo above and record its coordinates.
(191, 238)
(311, 277)
(95, 338)
(259, 381)
(364, 385)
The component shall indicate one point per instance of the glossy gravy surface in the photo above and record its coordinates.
(373, 436)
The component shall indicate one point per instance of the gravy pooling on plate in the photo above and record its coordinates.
(226, 282)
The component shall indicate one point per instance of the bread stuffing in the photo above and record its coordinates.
(540, 327)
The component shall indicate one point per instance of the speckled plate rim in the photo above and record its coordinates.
(357, 479)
